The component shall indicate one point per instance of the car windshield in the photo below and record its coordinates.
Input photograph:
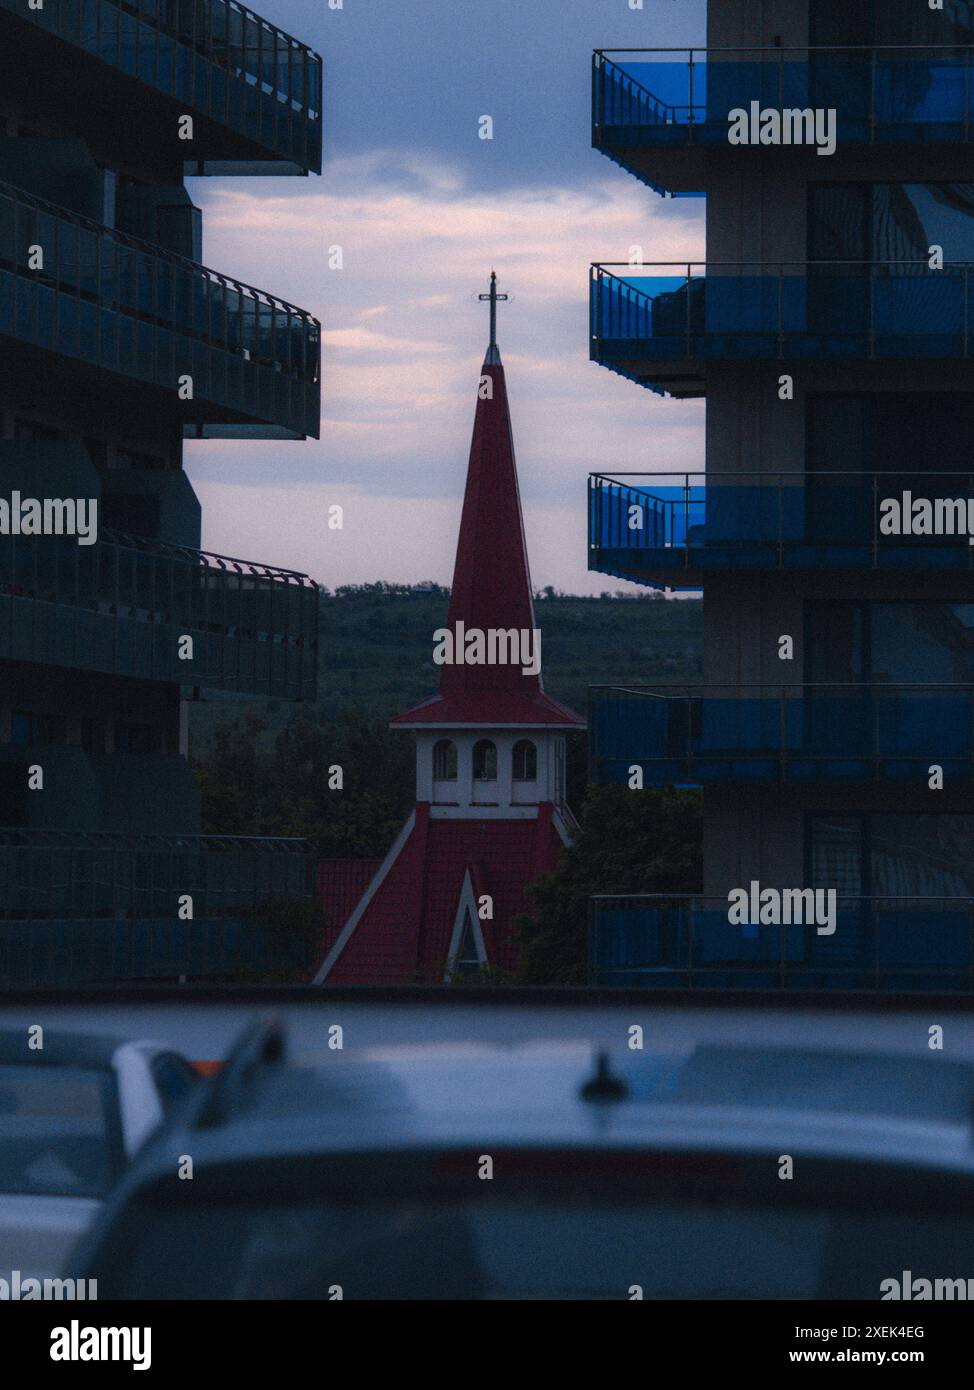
(57, 1130)
(500, 1249)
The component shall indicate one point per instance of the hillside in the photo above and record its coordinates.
(376, 643)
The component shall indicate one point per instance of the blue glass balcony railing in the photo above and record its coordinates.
(647, 101)
(659, 324)
(215, 59)
(81, 907)
(723, 734)
(682, 942)
(123, 605)
(114, 302)
(671, 530)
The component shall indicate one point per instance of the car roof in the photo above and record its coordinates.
(890, 1108)
(60, 1049)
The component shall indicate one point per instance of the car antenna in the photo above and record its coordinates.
(603, 1085)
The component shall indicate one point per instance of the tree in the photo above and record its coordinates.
(285, 789)
(628, 842)
(230, 779)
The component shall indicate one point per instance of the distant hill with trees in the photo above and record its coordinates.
(263, 764)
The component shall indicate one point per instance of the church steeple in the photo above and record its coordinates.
(491, 580)
(490, 813)
(491, 591)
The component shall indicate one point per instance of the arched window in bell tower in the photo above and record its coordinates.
(485, 760)
(525, 761)
(444, 760)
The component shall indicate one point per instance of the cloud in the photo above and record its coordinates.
(403, 339)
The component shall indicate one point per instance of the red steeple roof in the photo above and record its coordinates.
(491, 579)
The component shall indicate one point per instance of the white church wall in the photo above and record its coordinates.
(502, 796)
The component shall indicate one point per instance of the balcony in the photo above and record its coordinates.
(672, 530)
(882, 944)
(761, 734)
(661, 324)
(123, 309)
(123, 606)
(254, 92)
(657, 112)
(78, 908)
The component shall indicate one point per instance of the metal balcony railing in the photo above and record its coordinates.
(760, 734)
(216, 57)
(112, 300)
(71, 874)
(123, 605)
(881, 94)
(80, 907)
(673, 527)
(655, 315)
(901, 942)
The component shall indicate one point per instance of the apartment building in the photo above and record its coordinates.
(829, 521)
(118, 348)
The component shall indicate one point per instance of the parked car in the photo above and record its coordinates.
(475, 1170)
(72, 1113)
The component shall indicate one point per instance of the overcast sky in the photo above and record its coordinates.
(422, 209)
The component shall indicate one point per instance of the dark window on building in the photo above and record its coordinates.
(33, 432)
(902, 432)
(890, 643)
(137, 738)
(525, 760)
(97, 452)
(892, 855)
(834, 643)
(444, 760)
(92, 735)
(484, 761)
(863, 448)
(836, 854)
(136, 514)
(836, 22)
(109, 194)
(179, 228)
(132, 458)
(13, 794)
(37, 729)
(838, 222)
(890, 221)
(20, 727)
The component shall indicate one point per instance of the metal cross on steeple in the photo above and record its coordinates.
(493, 355)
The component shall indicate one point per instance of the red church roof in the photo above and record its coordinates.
(491, 580)
(401, 934)
(341, 883)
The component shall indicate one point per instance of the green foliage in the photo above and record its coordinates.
(628, 842)
(263, 764)
(294, 929)
(284, 789)
(376, 652)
